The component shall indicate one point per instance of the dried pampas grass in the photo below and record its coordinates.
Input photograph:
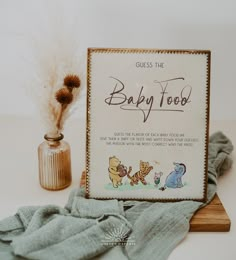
(57, 69)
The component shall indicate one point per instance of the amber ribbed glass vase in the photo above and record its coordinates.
(54, 163)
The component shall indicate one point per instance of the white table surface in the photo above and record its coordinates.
(19, 186)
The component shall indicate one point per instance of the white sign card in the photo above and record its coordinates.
(147, 124)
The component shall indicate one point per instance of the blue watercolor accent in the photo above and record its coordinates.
(174, 179)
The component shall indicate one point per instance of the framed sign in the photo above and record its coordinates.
(147, 124)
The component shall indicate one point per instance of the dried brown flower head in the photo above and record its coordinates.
(64, 96)
(72, 81)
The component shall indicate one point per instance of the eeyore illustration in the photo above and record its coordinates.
(174, 179)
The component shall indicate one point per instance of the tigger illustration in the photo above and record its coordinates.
(145, 168)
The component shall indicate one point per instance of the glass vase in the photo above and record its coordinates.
(54, 163)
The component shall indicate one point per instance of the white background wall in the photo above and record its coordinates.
(202, 24)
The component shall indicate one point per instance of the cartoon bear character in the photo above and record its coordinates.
(117, 171)
(115, 178)
(174, 179)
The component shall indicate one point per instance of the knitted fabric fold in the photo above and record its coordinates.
(88, 228)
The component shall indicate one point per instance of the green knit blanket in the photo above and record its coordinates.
(88, 228)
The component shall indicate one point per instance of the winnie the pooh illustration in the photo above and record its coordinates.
(114, 173)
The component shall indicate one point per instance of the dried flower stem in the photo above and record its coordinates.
(63, 96)
(62, 109)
